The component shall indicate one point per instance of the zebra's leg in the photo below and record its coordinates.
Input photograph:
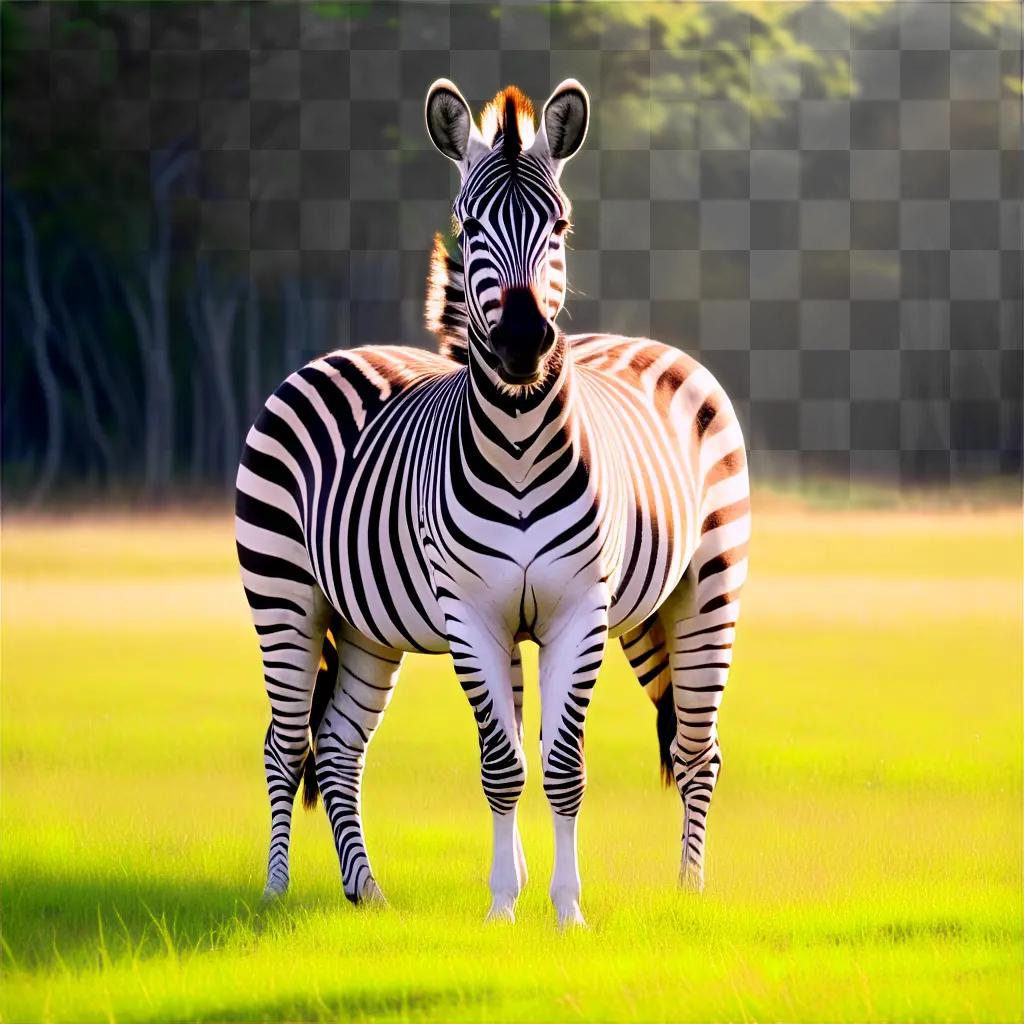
(367, 673)
(291, 629)
(570, 657)
(517, 699)
(700, 620)
(484, 669)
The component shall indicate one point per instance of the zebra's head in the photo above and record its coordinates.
(512, 217)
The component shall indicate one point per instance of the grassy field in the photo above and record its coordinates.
(865, 842)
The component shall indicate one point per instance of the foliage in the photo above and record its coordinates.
(113, 385)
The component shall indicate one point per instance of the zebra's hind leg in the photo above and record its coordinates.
(291, 628)
(699, 620)
(367, 673)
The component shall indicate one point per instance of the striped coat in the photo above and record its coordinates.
(392, 499)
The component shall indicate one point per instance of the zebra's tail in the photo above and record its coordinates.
(666, 733)
(647, 651)
(323, 689)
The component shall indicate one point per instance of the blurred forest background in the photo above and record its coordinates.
(199, 197)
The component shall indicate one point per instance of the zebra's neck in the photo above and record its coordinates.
(515, 429)
(518, 430)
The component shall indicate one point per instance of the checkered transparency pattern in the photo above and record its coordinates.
(850, 268)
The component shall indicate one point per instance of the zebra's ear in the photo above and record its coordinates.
(563, 125)
(450, 123)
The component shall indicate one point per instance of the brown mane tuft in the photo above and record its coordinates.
(510, 105)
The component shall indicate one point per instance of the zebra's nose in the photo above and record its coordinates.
(523, 335)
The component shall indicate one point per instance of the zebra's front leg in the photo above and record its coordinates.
(517, 700)
(367, 673)
(484, 669)
(570, 657)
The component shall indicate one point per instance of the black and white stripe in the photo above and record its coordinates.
(392, 500)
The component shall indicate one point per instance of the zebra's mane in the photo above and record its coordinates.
(510, 105)
(446, 303)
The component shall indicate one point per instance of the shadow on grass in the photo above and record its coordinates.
(84, 920)
(942, 930)
(378, 1005)
(87, 922)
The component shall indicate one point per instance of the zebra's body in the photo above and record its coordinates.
(402, 417)
(410, 501)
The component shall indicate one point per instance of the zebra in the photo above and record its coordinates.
(517, 484)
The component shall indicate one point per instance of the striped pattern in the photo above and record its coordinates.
(392, 500)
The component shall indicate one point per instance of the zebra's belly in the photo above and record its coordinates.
(386, 575)
(379, 581)
(642, 583)
(657, 543)
(386, 590)
(626, 614)
(636, 586)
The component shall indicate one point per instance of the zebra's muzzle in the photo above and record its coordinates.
(522, 337)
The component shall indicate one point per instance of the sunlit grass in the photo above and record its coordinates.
(865, 851)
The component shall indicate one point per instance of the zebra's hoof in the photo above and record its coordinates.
(569, 913)
(503, 908)
(369, 895)
(691, 879)
(372, 896)
(273, 892)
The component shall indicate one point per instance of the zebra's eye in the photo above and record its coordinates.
(471, 227)
(560, 228)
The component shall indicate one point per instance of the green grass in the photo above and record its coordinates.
(865, 842)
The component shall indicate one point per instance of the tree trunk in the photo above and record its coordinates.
(41, 356)
(253, 363)
(76, 359)
(295, 327)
